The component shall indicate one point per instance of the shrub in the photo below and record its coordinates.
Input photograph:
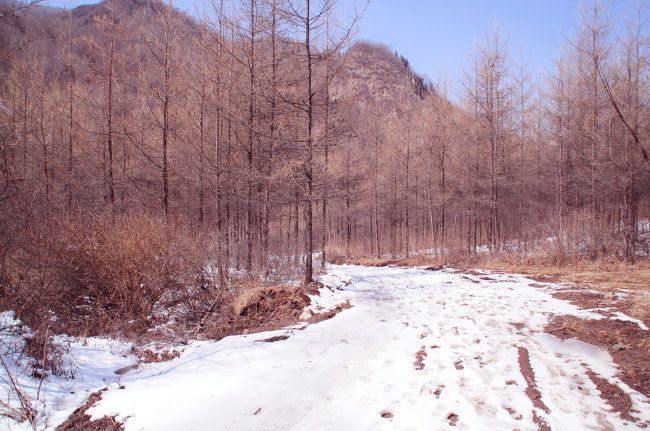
(107, 274)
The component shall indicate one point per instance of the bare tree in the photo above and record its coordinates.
(308, 19)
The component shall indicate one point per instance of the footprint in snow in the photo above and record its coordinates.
(453, 419)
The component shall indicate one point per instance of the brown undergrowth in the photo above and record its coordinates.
(136, 277)
(103, 275)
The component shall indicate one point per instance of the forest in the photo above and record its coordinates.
(146, 153)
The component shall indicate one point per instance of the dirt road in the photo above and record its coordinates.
(419, 349)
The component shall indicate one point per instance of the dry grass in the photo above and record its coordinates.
(599, 275)
(640, 309)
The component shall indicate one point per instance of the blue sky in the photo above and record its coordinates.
(438, 36)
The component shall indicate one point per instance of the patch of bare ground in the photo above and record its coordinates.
(149, 355)
(419, 359)
(467, 271)
(614, 396)
(519, 325)
(531, 389)
(608, 303)
(627, 343)
(79, 420)
(319, 317)
(274, 339)
(585, 299)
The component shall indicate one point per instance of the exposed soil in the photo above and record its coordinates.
(514, 413)
(628, 344)
(79, 420)
(467, 271)
(615, 397)
(518, 325)
(319, 317)
(419, 359)
(608, 302)
(529, 375)
(531, 390)
(585, 299)
(541, 422)
(434, 268)
(544, 278)
(274, 339)
(147, 355)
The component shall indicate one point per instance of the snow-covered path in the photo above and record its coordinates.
(418, 350)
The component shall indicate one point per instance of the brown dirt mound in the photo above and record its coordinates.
(271, 301)
(628, 344)
(258, 309)
(80, 421)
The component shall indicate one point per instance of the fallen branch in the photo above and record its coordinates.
(25, 412)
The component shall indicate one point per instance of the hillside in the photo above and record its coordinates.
(372, 74)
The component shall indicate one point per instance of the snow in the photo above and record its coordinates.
(621, 316)
(87, 365)
(343, 373)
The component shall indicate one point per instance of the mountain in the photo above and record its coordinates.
(374, 75)
(46, 30)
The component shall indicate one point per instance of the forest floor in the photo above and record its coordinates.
(418, 349)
